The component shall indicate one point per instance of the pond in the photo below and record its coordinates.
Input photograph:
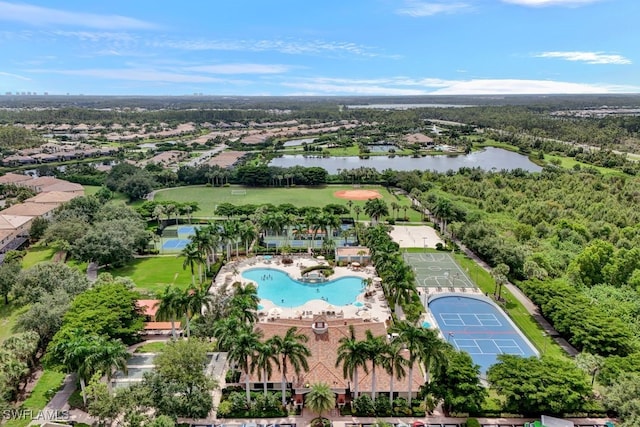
(490, 158)
(297, 142)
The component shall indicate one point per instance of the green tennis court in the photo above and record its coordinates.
(437, 270)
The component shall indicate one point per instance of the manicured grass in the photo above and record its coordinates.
(569, 163)
(520, 316)
(209, 198)
(152, 347)
(90, 190)
(36, 254)
(8, 316)
(40, 396)
(152, 275)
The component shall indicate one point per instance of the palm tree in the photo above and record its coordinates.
(320, 399)
(158, 211)
(419, 342)
(225, 331)
(374, 349)
(395, 207)
(248, 233)
(113, 355)
(264, 360)
(394, 363)
(192, 257)
(245, 345)
(291, 349)
(169, 306)
(376, 208)
(499, 274)
(357, 209)
(352, 356)
(194, 300)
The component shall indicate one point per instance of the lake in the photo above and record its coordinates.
(488, 159)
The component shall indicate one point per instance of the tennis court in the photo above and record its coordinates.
(175, 243)
(474, 324)
(437, 270)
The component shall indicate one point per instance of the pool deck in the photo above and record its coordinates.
(374, 307)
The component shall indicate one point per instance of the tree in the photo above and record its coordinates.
(357, 209)
(180, 386)
(499, 275)
(37, 283)
(623, 398)
(245, 345)
(590, 364)
(533, 386)
(374, 348)
(263, 362)
(394, 363)
(292, 351)
(9, 271)
(352, 356)
(320, 398)
(458, 384)
(376, 208)
(38, 227)
(45, 317)
(170, 306)
(192, 257)
(195, 300)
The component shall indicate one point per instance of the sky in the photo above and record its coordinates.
(320, 47)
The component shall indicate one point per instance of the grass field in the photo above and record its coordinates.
(209, 198)
(569, 163)
(50, 380)
(152, 347)
(152, 275)
(90, 190)
(8, 316)
(36, 254)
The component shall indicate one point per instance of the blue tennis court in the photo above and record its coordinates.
(189, 230)
(476, 325)
(175, 243)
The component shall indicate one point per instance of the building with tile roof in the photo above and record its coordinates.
(30, 209)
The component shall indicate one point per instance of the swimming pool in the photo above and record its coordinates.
(278, 287)
(475, 324)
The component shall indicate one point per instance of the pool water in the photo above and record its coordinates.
(278, 287)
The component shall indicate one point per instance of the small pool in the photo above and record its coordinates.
(278, 287)
(260, 307)
(426, 324)
(358, 304)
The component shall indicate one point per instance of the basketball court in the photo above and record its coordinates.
(437, 270)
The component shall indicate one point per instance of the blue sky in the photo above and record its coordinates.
(320, 47)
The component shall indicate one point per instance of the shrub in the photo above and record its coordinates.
(472, 422)
(224, 409)
(75, 400)
(363, 406)
(401, 407)
(383, 407)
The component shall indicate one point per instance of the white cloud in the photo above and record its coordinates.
(543, 3)
(241, 68)
(417, 8)
(96, 36)
(43, 16)
(588, 57)
(282, 46)
(432, 86)
(14, 76)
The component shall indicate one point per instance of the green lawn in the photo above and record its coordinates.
(570, 162)
(152, 275)
(90, 190)
(49, 382)
(8, 316)
(152, 347)
(36, 254)
(209, 198)
(514, 308)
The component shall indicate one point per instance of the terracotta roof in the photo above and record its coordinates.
(11, 222)
(148, 306)
(63, 186)
(160, 326)
(324, 349)
(13, 178)
(53, 197)
(28, 209)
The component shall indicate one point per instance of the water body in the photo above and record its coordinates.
(488, 159)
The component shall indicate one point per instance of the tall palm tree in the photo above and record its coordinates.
(225, 330)
(263, 361)
(358, 210)
(203, 239)
(394, 363)
(195, 299)
(113, 355)
(291, 348)
(192, 257)
(248, 233)
(320, 399)
(245, 345)
(376, 208)
(169, 306)
(423, 345)
(374, 349)
(352, 356)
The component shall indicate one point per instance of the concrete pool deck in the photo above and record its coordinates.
(374, 308)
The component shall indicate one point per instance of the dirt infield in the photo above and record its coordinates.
(357, 194)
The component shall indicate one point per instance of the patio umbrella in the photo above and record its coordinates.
(364, 315)
(275, 311)
(320, 257)
(355, 264)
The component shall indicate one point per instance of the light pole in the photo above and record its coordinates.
(544, 342)
(449, 335)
